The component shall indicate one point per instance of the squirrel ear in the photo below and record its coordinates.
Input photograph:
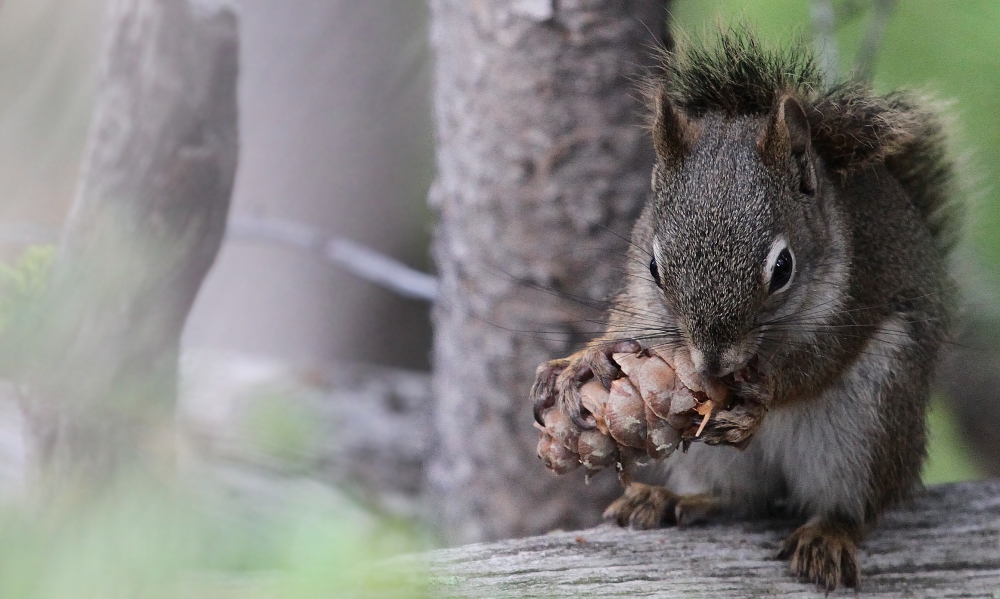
(786, 141)
(673, 132)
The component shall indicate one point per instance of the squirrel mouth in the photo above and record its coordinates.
(749, 374)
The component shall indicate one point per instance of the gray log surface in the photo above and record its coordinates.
(542, 166)
(946, 544)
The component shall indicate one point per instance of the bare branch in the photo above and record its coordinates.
(361, 260)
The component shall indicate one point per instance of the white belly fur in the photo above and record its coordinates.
(814, 453)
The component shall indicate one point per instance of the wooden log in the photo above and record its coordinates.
(946, 544)
(97, 355)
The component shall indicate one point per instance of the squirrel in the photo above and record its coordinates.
(795, 248)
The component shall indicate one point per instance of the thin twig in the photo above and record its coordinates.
(824, 25)
(381, 269)
(864, 68)
(359, 259)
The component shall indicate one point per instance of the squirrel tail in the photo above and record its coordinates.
(925, 167)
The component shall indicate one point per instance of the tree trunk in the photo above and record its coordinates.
(98, 353)
(542, 166)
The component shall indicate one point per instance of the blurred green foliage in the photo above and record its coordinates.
(948, 49)
(281, 429)
(948, 459)
(140, 539)
(23, 282)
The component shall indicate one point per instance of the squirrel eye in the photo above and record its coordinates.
(655, 271)
(781, 273)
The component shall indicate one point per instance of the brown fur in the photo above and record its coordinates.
(757, 156)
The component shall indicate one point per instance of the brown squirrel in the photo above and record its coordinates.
(795, 248)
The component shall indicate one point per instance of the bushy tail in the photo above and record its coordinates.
(926, 170)
(908, 133)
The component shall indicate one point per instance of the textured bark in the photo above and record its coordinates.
(946, 545)
(542, 166)
(99, 352)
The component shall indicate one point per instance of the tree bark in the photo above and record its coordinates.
(542, 166)
(98, 352)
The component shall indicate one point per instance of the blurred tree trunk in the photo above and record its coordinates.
(542, 166)
(98, 353)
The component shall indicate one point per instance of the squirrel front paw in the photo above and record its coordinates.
(823, 553)
(558, 382)
(738, 424)
(644, 506)
(735, 426)
(614, 403)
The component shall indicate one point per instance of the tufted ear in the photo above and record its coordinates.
(674, 133)
(785, 142)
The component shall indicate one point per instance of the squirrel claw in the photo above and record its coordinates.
(735, 426)
(558, 382)
(543, 395)
(823, 553)
(644, 507)
(574, 407)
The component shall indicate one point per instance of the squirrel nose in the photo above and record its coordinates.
(711, 363)
(705, 362)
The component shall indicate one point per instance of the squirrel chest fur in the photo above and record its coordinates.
(801, 232)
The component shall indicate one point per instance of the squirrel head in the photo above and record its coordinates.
(749, 251)
(737, 229)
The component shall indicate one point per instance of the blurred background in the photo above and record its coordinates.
(337, 142)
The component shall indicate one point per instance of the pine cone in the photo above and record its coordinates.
(650, 411)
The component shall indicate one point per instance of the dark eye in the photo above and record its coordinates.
(655, 271)
(781, 274)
